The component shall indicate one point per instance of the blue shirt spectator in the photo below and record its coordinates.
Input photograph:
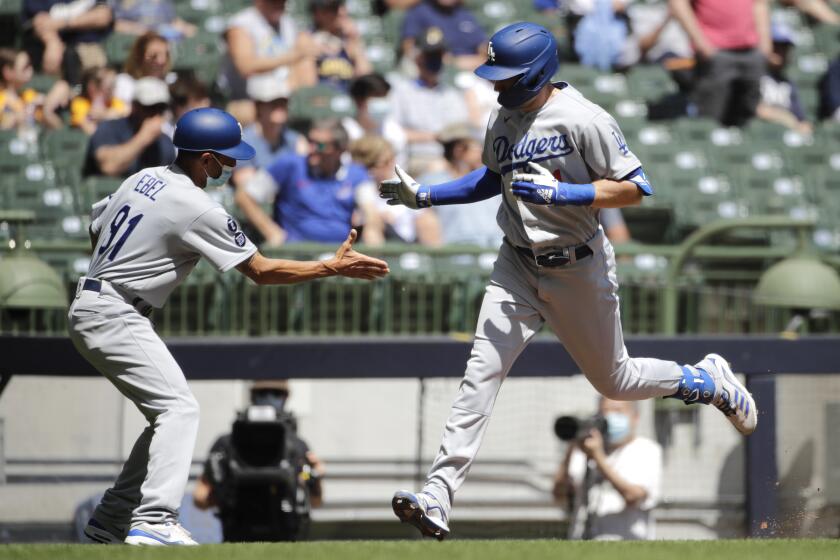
(462, 33)
(313, 197)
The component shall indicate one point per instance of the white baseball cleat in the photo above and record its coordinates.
(97, 532)
(730, 397)
(423, 511)
(159, 534)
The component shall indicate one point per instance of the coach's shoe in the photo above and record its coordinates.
(423, 511)
(97, 532)
(159, 534)
(711, 381)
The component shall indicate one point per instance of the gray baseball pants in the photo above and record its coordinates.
(121, 343)
(579, 302)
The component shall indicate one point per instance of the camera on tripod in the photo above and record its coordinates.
(571, 428)
(262, 495)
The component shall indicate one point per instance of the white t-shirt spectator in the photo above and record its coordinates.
(609, 518)
(268, 41)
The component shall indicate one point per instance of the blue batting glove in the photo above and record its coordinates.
(542, 188)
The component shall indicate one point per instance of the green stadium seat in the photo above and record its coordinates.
(117, 46)
(93, 189)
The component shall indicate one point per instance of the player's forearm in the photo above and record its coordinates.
(616, 194)
(475, 186)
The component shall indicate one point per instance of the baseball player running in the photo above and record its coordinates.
(556, 159)
(147, 237)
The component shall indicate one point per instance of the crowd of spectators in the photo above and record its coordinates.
(727, 57)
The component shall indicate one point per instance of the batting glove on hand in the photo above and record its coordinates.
(542, 188)
(405, 190)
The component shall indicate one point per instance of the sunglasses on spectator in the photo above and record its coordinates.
(320, 147)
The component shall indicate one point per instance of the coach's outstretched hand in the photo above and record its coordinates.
(352, 264)
(405, 190)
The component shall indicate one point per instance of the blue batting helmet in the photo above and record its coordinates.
(211, 130)
(521, 49)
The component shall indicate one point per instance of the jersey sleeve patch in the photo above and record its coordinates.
(638, 177)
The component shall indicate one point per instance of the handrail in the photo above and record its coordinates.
(686, 248)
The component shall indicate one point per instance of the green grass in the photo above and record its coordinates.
(776, 549)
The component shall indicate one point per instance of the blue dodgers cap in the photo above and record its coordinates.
(211, 130)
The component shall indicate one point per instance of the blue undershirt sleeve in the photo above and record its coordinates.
(480, 184)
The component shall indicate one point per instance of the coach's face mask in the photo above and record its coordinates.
(275, 400)
(222, 179)
(618, 427)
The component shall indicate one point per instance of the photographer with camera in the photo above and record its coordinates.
(262, 477)
(609, 478)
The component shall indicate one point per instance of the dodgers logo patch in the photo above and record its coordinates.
(231, 225)
(240, 239)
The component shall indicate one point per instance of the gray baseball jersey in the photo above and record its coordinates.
(151, 233)
(573, 138)
(153, 230)
(579, 143)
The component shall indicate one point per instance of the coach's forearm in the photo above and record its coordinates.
(616, 194)
(263, 270)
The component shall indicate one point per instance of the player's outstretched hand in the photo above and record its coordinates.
(404, 190)
(347, 262)
(540, 187)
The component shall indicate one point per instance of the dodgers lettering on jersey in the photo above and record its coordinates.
(154, 229)
(573, 138)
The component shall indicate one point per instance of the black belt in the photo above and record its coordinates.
(142, 307)
(554, 258)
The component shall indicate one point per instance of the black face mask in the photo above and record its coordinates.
(433, 62)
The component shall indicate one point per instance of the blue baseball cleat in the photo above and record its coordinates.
(97, 532)
(159, 534)
(711, 381)
(423, 511)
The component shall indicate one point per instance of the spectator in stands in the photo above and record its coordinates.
(149, 57)
(464, 37)
(18, 104)
(731, 39)
(390, 223)
(423, 107)
(187, 93)
(310, 470)
(64, 39)
(314, 196)
(829, 90)
(656, 37)
(137, 17)
(263, 39)
(611, 482)
(342, 49)
(96, 102)
(124, 146)
(780, 96)
(373, 111)
(269, 135)
(819, 10)
(464, 223)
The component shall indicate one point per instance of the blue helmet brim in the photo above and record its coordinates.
(241, 151)
(497, 73)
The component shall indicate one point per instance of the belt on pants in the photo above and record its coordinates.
(560, 257)
(142, 307)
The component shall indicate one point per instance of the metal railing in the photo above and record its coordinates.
(686, 288)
